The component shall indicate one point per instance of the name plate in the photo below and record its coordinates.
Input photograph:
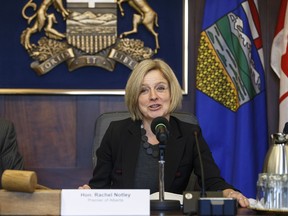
(105, 202)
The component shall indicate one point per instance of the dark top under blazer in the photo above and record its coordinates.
(118, 152)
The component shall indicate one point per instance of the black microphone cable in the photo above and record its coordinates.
(203, 190)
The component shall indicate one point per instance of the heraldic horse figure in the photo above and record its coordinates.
(40, 17)
(147, 16)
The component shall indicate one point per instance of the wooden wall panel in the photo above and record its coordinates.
(47, 129)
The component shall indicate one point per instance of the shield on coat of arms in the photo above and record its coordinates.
(91, 25)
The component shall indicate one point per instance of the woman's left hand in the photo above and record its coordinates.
(242, 200)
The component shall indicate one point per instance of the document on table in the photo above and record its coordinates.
(167, 196)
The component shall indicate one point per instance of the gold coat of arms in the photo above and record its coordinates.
(91, 37)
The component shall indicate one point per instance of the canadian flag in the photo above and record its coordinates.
(279, 61)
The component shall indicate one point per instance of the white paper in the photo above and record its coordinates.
(105, 202)
(168, 196)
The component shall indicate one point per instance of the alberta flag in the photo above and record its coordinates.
(230, 95)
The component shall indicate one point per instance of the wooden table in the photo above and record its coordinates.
(41, 202)
(241, 211)
(47, 202)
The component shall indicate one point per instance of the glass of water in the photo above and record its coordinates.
(275, 195)
(262, 188)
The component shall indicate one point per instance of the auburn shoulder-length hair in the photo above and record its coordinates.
(134, 84)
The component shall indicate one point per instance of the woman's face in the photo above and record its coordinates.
(154, 98)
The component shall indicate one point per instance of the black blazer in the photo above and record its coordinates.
(10, 157)
(118, 153)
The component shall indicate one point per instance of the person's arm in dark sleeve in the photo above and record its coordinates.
(10, 158)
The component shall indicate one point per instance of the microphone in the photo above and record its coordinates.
(207, 203)
(191, 198)
(160, 127)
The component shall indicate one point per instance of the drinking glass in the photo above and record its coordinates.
(262, 188)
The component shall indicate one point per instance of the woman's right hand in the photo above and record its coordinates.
(85, 186)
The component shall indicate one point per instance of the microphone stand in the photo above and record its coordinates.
(163, 204)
